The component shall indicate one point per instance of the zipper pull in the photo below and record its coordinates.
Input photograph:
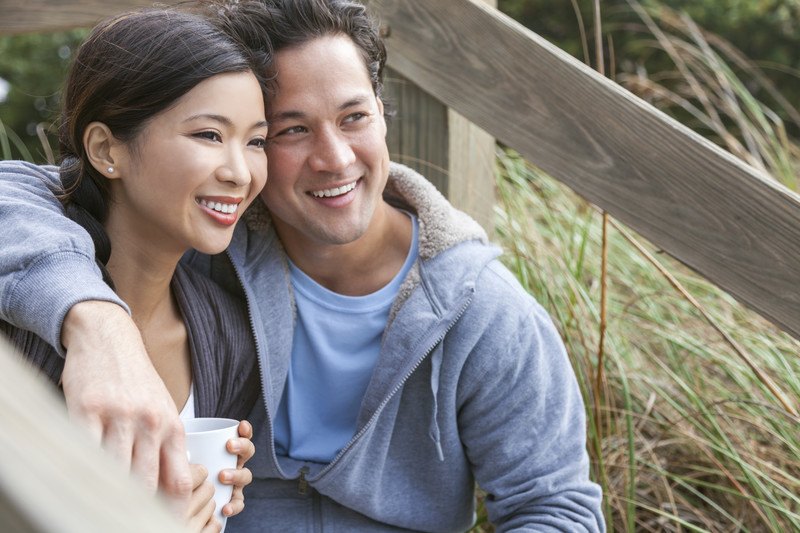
(302, 484)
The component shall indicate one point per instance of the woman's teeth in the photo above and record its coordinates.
(336, 191)
(217, 206)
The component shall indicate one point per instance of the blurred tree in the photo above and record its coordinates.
(33, 66)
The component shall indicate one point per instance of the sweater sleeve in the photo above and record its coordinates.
(47, 261)
(523, 426)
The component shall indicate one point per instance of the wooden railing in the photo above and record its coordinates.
(52, 477)
(722, 218)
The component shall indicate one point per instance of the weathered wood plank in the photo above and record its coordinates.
(471, 169)
(417, 134)
(700, 204)
(472, 166)
(20, 16)
(52, 478)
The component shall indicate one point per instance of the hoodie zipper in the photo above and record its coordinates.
(247, 299)
(302, 482)
(386, 400)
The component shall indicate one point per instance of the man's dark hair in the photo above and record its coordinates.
(287, 23)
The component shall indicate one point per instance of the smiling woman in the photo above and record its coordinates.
(162, 148)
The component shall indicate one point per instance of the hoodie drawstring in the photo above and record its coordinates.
(436, 366)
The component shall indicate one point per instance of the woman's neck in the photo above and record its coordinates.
(142, 279)
(142, 276)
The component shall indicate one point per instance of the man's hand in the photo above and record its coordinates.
(111, 388)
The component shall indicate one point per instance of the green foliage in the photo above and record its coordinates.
(34, 65)
(766, 31)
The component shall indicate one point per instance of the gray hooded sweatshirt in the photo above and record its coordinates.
(472, 383)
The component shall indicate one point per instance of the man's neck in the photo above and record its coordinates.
(360, 267)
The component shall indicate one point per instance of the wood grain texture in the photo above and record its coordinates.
(697, 202)
(417, 134)
(471, 170)
(52, 478)
(21, 16)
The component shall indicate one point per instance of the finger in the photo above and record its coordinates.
(233, 507)
(236, 504)
(199, 474)
(245, 429)
(239, 477)
(146, 459)
(243, 448)
(213, 526)
(118, 440)
(201, 497)
(175, 477)
(203, 520)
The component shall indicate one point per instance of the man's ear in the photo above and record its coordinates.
(105, 152)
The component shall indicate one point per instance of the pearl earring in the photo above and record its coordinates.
(110, 170)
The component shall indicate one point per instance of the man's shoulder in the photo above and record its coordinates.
(16, 171)
(25, 167)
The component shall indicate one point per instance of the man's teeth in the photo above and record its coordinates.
(217, 206)
(336, 191)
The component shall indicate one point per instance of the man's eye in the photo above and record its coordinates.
(354, 117)
(293, 130)
(259, 142)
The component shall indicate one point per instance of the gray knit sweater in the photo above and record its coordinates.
(224, 368)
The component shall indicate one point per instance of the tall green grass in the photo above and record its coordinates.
(684, 434)
(11, 146)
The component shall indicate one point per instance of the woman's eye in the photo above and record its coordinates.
(210, 135)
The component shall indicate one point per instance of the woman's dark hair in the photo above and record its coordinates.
(293, 22)
(129, 69)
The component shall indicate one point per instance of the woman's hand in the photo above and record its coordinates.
(243, 447)
(201, 505)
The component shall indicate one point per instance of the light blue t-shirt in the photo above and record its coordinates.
(336, 344)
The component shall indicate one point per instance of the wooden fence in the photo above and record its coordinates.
(708, 209)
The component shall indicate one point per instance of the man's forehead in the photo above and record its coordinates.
(319, 53)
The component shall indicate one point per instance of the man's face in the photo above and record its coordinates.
(328, 160)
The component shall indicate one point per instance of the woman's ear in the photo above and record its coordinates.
(104, 151)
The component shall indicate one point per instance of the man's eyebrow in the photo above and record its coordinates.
(224, 120)
(294, 114)
(355, 101)
(287, 115)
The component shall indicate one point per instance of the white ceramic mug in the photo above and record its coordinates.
(205, 445)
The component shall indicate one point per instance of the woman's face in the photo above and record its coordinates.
(192, 171)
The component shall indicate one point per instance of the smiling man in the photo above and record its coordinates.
(401, 363)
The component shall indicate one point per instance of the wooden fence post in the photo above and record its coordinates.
(454, 154)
